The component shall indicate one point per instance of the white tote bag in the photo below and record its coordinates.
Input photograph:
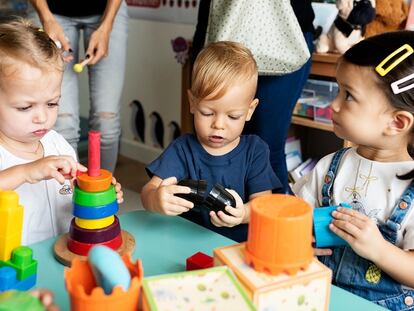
(269, 28)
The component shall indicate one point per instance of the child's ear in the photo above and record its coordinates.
(252, 107)
(191, 101)
(402, 121)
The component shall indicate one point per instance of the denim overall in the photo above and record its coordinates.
(358, 275)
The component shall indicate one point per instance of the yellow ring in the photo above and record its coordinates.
(95, 223)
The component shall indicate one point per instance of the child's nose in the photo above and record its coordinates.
(40, 116)
(335, 105)
(218, 123)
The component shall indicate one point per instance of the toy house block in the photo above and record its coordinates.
(306, 290)
(8, 280)
(208, 289)
(22, 261)
(199, 261)
(11, 223)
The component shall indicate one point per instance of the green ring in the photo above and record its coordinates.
(85, 198)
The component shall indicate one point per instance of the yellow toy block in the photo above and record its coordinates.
(11, 223)
(306, 290)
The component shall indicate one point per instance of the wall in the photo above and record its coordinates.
(153, 77)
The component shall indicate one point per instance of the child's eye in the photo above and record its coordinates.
(52, 104)
(23, 108)
(206, 114)
(348, 96)
(234, 117)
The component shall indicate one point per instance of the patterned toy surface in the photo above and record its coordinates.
(306, 290)
(195, 290)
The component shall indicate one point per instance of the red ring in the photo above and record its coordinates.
(82, 249)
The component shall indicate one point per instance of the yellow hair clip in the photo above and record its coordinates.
(383, 71)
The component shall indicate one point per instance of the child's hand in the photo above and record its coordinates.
(321, 251)
(237, 213)
(52, 167)
(359, 231)
(46, 298)
(169, 204)
(119, 193)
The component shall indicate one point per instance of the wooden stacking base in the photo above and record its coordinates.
(65, 256)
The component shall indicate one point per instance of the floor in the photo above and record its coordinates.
(132, 176)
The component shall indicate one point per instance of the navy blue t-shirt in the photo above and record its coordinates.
(246, 169)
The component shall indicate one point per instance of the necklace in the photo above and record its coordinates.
(25, 151)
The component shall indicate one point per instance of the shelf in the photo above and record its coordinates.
(311, 123)
(324, 64)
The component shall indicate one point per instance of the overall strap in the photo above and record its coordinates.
(392, 225)
(330, 177)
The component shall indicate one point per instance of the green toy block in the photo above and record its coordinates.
(22, 261)
(16, 300)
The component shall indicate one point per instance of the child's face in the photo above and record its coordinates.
(28, 103)
(219, 122)
(361, 111)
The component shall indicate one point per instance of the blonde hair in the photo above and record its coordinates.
(219, 66)
(22, 42)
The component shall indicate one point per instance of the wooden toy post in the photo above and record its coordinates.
(94, 208)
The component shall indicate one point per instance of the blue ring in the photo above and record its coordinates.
(95, 212)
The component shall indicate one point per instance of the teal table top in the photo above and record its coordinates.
(163, 243)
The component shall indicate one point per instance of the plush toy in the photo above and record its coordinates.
(348, 27)
(391, 15)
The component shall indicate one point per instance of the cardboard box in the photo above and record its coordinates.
(307, 290)
(207, 289)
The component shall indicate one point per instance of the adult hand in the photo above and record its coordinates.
(98, 44)
(57, 34)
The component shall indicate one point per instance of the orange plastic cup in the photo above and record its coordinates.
(280, 234)
(86, 296)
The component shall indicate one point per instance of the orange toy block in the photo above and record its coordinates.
(11, 223)
(306, 290)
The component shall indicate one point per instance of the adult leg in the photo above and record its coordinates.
(67, 123)
(106, 80)
(277, 97)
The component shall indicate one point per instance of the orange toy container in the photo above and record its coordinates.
(86, 296)
(280, 234)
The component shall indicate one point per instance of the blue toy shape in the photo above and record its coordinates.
(108, 268)
(8, 280)
(322, 217)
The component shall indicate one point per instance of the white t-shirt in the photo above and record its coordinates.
(370, 187)
(47, 204)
